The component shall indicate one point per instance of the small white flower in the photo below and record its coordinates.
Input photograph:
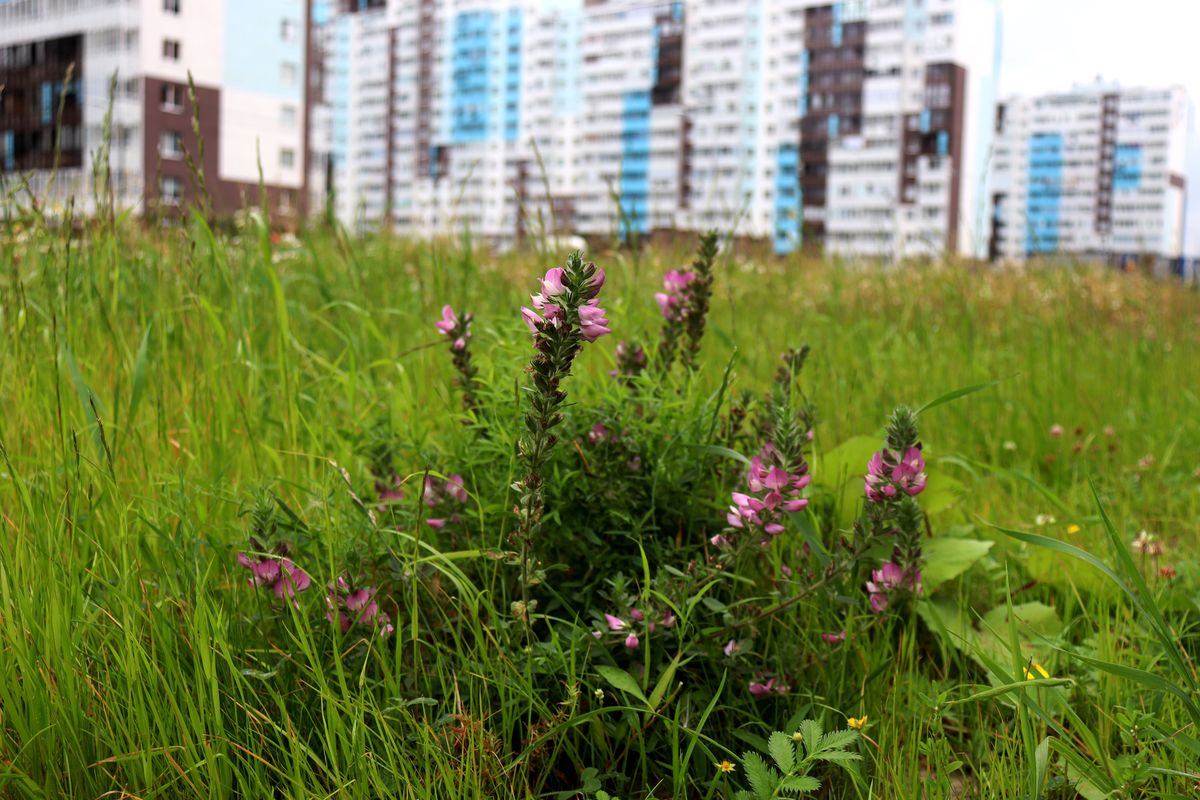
(1044, 519)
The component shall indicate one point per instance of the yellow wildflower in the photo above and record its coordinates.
(726, 766)
(857, 723)
(1073, 528)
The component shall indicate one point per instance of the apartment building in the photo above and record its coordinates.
(249, 63)
(1095, 171)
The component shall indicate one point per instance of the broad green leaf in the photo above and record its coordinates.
(664, 682)
(947, 558)
(620, 679)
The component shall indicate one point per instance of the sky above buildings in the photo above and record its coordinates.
(1050, 45)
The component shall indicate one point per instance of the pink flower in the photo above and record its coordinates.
(592, 323)
(597, 434)
(720, 541)
(277, 571)
(909, 473)
(666, 304)
(668, 619)
(887, 579)
(552, 284)
(597, 634)
(731, 647)
(532, 320)
(834, 638)
(631, 641)
(676, 281)
(615, 623)
(448, 321)
(437, 523)
(759, 689)
(1056, 431)
(636, 614)
(597, 283)
(389, 493)
(455, 489)
(459, 345)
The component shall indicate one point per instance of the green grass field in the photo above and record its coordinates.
(165, 396)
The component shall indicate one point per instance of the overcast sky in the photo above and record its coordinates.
(1049, 45)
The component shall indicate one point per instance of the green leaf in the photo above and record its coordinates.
(954, 395)
(620, 679)
(139, 378)
(799, 784)
(717, 450)
(837, 756)
(811, 735)
(947, 558)
(839, 740)
(664, 682)
(780, 747)
(763, 779)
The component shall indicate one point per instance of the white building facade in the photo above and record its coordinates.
(249, 65)
(1096, 171)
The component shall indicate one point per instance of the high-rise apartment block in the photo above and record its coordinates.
(1096, 171)
(249, 63)
(862, 124)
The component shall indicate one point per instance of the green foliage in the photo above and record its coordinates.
(788, 773)
(171, 393)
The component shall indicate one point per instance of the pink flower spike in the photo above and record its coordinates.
(459, 345)
(631, 641)
(792, 506)
(666, 304)
(834, 638)
(292, 580)
(615, 623)
(448, 320)
(436, 523)
(774, 529)
(356, 600)
(760, 689)
(592, 323)
(597, 282)
(879, 603)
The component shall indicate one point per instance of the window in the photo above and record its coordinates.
(287, 73)
(287, 116)
(287, 157)
(170, 191)
(170, 145)
(171, 97)
(287, 30)
(170, 49)
(171, 6)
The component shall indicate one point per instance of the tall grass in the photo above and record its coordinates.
(157, 386)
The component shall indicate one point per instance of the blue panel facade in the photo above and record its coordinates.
(1043, 205)
(470, 68)
(837, 24)
(1127, 166)
(787, 199)
(634, 190)
(512, 77)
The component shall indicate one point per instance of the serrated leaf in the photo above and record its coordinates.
(799, 784)
(763, 779)
(811, 732)
(620, 679)
(780, 748)
(837, 756)
(839, 740)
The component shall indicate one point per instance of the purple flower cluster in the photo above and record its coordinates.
(620, 626)
(772, 490)
(888, 579)
(889, 474)
(631, 360)
(763, 688)
(277, 571)
(444, 495)
(389, 492)
(451, 325)
(592, 322)
(673, 303)
(348, 607)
